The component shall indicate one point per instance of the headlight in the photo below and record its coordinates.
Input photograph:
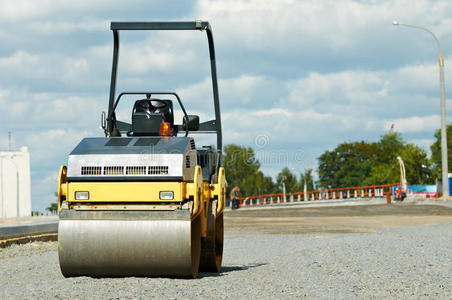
(81, 195)
(166, 195)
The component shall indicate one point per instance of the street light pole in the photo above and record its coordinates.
(444, 163)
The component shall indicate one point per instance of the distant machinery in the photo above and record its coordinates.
(15, 200)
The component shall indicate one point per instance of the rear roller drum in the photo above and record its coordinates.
(212, 244)
(195, 246)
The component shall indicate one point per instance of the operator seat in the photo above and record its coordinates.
(148, 114)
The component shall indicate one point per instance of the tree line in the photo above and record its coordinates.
(243, 170)
(348, 164)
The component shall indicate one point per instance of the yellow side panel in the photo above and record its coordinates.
(124, 191)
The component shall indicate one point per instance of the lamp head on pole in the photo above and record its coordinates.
(395, 23)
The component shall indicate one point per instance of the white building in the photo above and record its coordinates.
(15, 200)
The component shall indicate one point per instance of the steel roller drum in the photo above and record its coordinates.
(128, 244)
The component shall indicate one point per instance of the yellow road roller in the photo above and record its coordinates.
(144, 200)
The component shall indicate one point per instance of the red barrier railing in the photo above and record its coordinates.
(370, 191)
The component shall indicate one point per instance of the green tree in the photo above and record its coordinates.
(53, 208)
(263, 184)
(389, 147)
(349, 164)
(417, 164)
(289, 179)
(242, 169)
(362, 163)
(307, 178)
(436, 152)
(385, 167)
(383, 173)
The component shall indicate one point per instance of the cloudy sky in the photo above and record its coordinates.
(296, 77)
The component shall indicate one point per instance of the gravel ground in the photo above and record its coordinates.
(403, 262)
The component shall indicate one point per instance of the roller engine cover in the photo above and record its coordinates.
(133, 158)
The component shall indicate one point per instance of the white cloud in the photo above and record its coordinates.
(74, 69)
(243, 91)
(40, 110)
(143, 57)
(306, 23)
(424, 144)
(18, 60)
(272, 112)
(49, 144)
(419, 77)
(18, 10)
(47, 27)
(351, 87)
(416, 124)
(21, 9)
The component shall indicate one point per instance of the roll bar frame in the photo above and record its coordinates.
(192, 25)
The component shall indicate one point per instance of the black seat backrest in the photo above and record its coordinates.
(146, 118)
(207, 161)
(168, 114)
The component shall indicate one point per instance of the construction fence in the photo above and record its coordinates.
(351, 193)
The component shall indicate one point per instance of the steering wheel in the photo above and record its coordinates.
(157, 104)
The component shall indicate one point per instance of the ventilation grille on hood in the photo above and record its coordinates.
(91, 171)
(114, 170)
(124, 170)
(158, 170)
(136, 170)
